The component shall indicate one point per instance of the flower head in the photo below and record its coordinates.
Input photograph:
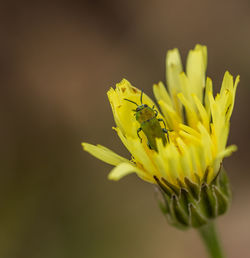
(195, 122)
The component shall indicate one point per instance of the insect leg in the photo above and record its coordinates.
(139, 129)
(156, 113)
(161, 120)
(149, 146)
(166, 131)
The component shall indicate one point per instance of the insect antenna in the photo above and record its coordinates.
(141, 96)
(132, 102)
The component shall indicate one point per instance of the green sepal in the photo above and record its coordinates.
(175, 189)
(222, 201)
(180, 213)
(195, 203)
(223, 183)
(208, 200)
(193, 188)
(197, 218)
(163, 187)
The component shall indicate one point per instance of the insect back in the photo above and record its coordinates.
(150, 124)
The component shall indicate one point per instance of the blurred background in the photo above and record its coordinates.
(58, 59)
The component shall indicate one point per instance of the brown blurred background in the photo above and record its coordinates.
(57, 60)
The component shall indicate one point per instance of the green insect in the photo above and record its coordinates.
(150, 124)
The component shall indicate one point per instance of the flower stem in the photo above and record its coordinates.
(211, 240)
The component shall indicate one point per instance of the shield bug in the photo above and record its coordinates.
(150, 124)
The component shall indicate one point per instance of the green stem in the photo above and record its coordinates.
(211, 240)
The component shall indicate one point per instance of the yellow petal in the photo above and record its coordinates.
(202, 111)
(172, 117)
(228, 151)
(161, 93)
(203, 50)
(227, 83)
(209, 89)
(229, 113)
(173, 70)
(190, 130)
(122, 170)
(191, 113)
(185, 161)
(103, 154)
(196, 67)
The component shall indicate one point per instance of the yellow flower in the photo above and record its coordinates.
(198, 125)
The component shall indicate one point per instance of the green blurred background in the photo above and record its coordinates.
(58, 59)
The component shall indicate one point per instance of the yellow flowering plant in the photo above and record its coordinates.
(187, 164)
